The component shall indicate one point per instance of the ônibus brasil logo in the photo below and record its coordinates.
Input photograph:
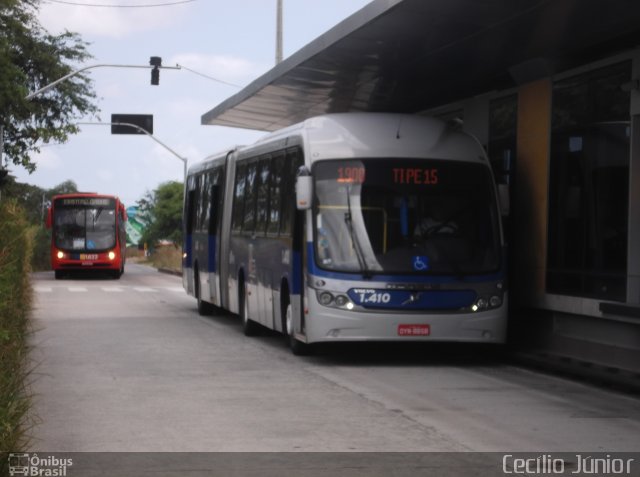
(33, 465)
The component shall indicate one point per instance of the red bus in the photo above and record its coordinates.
(88, 233)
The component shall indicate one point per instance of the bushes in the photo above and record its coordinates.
(41, 259)
(16, 238)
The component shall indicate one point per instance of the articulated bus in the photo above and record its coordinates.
(350, 227)
(88, 233)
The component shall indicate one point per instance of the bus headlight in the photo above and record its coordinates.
(112, 255)
(60, 255)
(341, 300)
(485, 303)
(325, 298)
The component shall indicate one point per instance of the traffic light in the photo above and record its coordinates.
(156, 62)
(143, 121)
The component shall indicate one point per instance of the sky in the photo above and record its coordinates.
(231, 41)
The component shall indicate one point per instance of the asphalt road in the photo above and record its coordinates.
(128, 365)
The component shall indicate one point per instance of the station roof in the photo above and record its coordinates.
(411, 55)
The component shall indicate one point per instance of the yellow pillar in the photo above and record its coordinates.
(532, 183)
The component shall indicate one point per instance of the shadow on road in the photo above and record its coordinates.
(381, 353)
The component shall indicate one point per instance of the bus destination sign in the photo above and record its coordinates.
(87, 202)
(415, 175)
(356, 173)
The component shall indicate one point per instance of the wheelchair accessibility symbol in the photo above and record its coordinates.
(420, 262)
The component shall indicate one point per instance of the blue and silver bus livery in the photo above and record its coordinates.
(351, 227)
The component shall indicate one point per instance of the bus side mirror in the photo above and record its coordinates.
(503, 198)
(304, 192)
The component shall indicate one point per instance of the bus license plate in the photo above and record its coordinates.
(414, 330)
(88, 256)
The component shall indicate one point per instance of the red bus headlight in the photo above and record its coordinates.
(112, 255)
(60, 254)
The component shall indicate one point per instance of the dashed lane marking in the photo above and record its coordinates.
(175, 289)
(112, 289)
(119, 289)
(145, 290)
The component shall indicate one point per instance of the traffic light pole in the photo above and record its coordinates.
(73, 73)
(144, 131)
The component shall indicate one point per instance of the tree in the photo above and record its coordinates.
(31, 58)
(35, 201)
(32, 198)
(165, 208)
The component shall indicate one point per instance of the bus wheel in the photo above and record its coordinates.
(58, 274)
(297, 347)
(249, 327)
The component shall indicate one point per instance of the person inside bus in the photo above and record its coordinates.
(438, 219)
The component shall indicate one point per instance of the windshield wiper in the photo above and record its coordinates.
(354, 239)
(96, 217)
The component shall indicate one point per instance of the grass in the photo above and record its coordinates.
(16, 244)
(167, 257)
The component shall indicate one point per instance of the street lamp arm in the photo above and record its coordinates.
(29, 97)
(142, 130)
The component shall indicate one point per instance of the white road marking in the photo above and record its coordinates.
(117, 289)
(175, 289)
(145, 290)
(112, 289)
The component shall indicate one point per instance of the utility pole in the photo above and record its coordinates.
(279, 32)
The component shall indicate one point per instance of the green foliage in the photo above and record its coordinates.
(31, 58)
(15, 299)
(34, 201)
(165, 209)
(41, 257)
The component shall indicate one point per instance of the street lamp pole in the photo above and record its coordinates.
(144, 131)
(73, 73)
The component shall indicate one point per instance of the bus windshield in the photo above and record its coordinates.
(405, 216)
(83, 224)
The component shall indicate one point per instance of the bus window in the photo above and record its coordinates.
(275, 192)
(292, 163)
(215, 206)
(238, 199)
(250, 198)
(262, 205)
(202, 200)
(205, 207)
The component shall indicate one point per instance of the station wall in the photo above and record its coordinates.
(568, 145)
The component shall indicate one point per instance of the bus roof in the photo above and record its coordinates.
(76, 195)
(371, 135)
(352, 135)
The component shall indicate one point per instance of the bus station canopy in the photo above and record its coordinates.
(411, 55)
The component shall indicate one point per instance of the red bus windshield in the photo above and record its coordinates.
(84, 223)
